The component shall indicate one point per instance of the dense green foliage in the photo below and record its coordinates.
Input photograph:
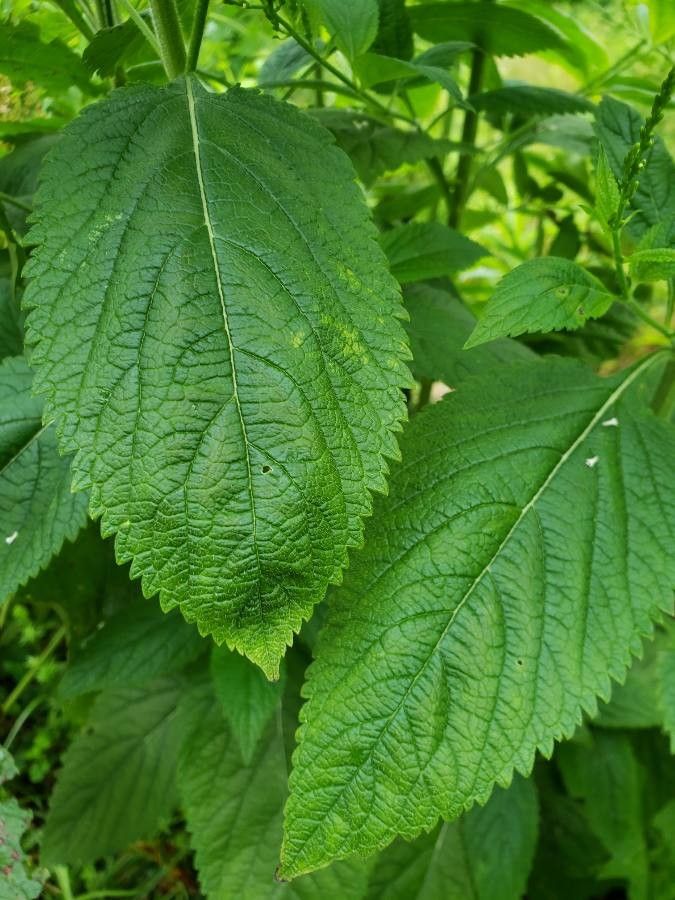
(294, 652)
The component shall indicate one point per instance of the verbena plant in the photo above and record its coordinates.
(206, 347)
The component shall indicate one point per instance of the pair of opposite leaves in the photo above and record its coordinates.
(218, 339)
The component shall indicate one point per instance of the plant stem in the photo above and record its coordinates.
(196, 35)
(664, 395)
(469, 131)
(77, 18)
(63, 879)
(142, 26)
(57, 637)
(167, 26)
(21, 719)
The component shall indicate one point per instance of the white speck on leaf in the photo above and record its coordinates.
(609, 423)
(591, 461)
(11, 538)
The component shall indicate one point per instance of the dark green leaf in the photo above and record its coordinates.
(422, 250)
(528, 100)
(25, 57)
(394, 34)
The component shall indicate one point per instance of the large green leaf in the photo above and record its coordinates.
(117, 783)
(484, 855)
(439, 325)
(497, 28)
(140, 642)
(617, 126)
(25, 57)
(38, 512)
(230, 368)
(234, 814)
(522, 551)
(420, 250)
(546, 294)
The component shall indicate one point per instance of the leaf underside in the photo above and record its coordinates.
(38, 512)
(217, 337)
(522, 552)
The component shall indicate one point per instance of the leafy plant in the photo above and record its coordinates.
(243, 247)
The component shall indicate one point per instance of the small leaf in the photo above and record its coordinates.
(117, 783)
(25, 57)
(504, 581)
(231, 377)
(138, 643)
(496, 28)
(38, 512)
(112, 46)
(606, 190)
(287, 59)
(421, 250)
(439, 325)
(529, 100)
(546, 294)
(353, 25)
(247, 698)
(486, 854)
(656, 264)
(374, 69)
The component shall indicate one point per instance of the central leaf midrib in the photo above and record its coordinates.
(235, 390)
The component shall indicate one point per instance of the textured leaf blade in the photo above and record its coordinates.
(547, 294)
(353, 25)
(231, 394)
(520, 554)
(529, 100)
(498, 29)
(38, 512)
(118, 777)
(486, 854)
(422, 250)
(234, 814)
(25, 57)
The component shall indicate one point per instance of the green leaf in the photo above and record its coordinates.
(11, 326)
(661, 20)
(287, 59)
(519, 556)
(353, 25)
(38, 512)
(635, 703)
(25, 57)
(112, 46)
(18, 883)
(597, 340)
(605, 774)
(529, 100)
(234, 815)
(247, 698)
(117, 783)
(19, 173)
(231, 374)
(140, 642)
(496, 28)
(486, 854)
(617, 126)
(394, 34)
(657, 264)
(546, 294)
(606, 190)
(375, 148)
(374, 69)
(421, 250)
(439, 326)
(666, 688)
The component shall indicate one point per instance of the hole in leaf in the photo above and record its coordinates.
(266, 470)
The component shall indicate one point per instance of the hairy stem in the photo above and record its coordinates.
(196, 35)
(167, 26)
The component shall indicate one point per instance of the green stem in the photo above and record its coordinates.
(63, 880)
(142, 26)
(469, 131)
(172, 46)
(663, 401)
(425, 393)
(21, 719)
(32, 672)
(196, 35)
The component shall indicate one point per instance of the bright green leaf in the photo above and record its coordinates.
(117, 783)
(38, 512)
(439, 326)
(499, 29)
(546, 294)
(247, 698)
(661, 20)
(138, 643)
(520, 554)
(657, 264)
(231, 370)
(421, 250)
(606, 190)
(486, 854)
(353, 24)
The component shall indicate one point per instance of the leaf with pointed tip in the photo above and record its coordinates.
(118, 777)
(234, 815)
(547, 294)
(522, 551)
(218, 339)
(353, 25)
(38, 512)
(497, 28)
(486, 854)
(420, 250)
(606, 190)
(529, 100)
